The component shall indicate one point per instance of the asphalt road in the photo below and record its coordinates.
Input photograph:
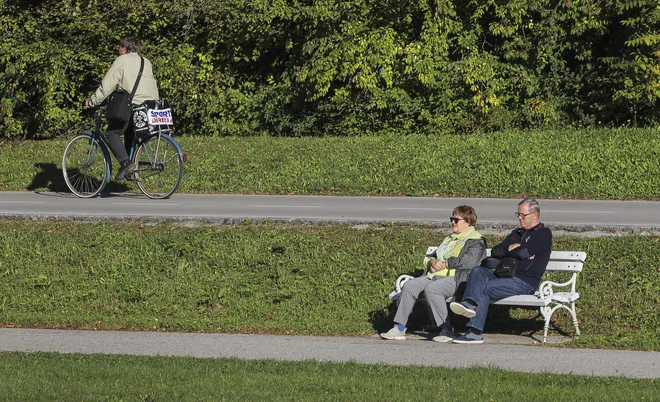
(371, 350)
(571, 215)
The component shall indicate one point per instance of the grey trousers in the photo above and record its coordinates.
(437, 292)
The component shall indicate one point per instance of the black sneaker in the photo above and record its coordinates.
(126, 167)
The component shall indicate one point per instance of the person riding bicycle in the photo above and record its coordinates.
(123, 74)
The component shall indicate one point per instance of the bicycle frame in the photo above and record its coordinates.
(97, 136)
(139, 141)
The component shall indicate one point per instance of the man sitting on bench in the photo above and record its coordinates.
(528, 248)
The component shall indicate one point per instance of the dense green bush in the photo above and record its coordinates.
(282, 279)
(296, 67)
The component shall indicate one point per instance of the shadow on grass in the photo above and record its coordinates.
(50, 177)
(419, 320)
(525, 321)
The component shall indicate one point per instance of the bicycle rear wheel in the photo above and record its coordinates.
(84, 166)
(159, 166)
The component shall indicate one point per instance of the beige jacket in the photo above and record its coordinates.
(122, 74)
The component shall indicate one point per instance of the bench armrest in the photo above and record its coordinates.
(396, 293)
(547, 288)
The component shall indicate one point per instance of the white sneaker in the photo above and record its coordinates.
(462, 309)
(394, 334)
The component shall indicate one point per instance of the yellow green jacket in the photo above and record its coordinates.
(462, 252)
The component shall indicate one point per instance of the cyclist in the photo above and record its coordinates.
(123, 74)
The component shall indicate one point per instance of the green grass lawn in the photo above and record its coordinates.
(596, 164)
(286, 279)
(51, 376)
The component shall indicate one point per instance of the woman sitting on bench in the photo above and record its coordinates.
(448, 269)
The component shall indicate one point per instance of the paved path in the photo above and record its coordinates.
(530, 359)
(572, 215)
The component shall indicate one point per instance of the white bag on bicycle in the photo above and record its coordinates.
(151, 117)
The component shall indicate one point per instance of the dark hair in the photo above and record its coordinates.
(466, 212)
(131, 43)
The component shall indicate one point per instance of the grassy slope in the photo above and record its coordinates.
(602, 164)
(284, 279)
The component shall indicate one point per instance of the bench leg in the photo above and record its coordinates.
(547, 313)
(575, 321)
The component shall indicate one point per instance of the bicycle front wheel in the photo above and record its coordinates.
(159, 166)
(84, 166)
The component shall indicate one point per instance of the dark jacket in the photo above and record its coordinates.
(535, 242)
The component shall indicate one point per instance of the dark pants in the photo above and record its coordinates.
(113, 135)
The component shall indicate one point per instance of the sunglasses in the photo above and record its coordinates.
(454, 219)
(518, 214)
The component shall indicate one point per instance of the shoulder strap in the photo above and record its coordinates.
(137, 82)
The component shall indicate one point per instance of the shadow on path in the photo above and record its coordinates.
(51, 178)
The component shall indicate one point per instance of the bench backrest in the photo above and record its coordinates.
(563, 261)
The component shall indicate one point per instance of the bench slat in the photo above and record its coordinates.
(560, 261)
(580, 256)
(553, 265)
(521, 300)
(563, 266)
(576, 256)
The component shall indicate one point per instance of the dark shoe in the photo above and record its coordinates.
(126, 167)
(468, 338)
(445, 336)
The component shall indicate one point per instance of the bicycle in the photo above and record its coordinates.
(87, 165)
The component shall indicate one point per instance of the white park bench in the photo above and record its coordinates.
(550, 296)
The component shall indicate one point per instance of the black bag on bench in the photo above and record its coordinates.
(506, 268)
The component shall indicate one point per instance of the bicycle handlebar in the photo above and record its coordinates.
(97, 108)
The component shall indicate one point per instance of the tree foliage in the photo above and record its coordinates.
(332, 67)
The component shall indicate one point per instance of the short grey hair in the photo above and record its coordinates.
(130, 43)
(533, 205)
